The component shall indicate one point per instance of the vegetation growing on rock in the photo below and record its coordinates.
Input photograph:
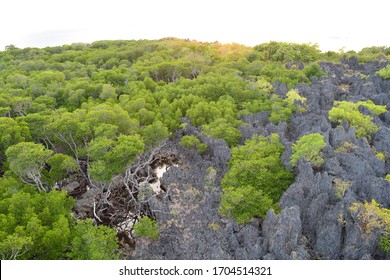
(349, 111)
(147, 227)
(256, 179)
(84, 129)
(373, 217)
(308, 147)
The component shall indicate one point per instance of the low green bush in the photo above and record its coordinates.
(308, 147)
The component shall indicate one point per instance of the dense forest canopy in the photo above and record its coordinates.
(86, 112)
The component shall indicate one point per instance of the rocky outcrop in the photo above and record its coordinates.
(283, 234)
(189, 223)
(315, 221)
(325, 217)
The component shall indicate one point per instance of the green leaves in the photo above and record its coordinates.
(36, 225)
(147, 227)
(349, 111)
(256, 175)
(313, 70)
(155, 133)
(244, 203)
(61, 165)
(373, 217)
(191, 141)
(91, 242)
(27, 160)
(98, 106)
(203, 113)
(13, 246)
(308, 147)
(282, 109)
(40, 226)
(284, 52)
(110, 157)
(108, 91)
(384, 72)
(222, 129)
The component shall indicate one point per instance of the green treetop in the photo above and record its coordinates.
(345, 110)
(27, 160)
(257, 171)
(308, 147)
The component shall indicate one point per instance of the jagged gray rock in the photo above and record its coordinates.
(329, 234)
(282, 234)
(382, 140)
(314, 222)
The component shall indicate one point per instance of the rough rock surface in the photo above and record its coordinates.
(314, 222)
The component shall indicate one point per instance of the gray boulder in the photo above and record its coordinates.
(282, 234)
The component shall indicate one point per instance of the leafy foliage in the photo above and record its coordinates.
(244, 203)
(61, 165)
(222, 129)
(384, 243)
(277, 72)
(147, 227)
(345, 147)
(11, 133)
(340, 187)
(257, 172)
(370, 53)
(192, 141)
(282, 110)
(268, 61)
(308, 147)
(313, 70)
(89, 110)
(373, 217)
(284, 52)
(110, 157)
(91, 242)
(27, 160)
(41, 226)
(349, 111)
(384, 72)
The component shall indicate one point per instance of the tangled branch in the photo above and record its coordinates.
(127, 197)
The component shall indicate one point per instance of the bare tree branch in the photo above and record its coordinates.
(128, 196)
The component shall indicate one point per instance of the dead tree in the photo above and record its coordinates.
(127, 197)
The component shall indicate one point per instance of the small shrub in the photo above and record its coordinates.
(244, 203)
(147, 227)
(191, 141)
(340, 187)
(384, 243)
(349, 111)
(214, 226)
(222, 129)
(378, 154)
(341, 219)
(313, 70)
(375, 109)
(308, 147)
(277, 71)
(373, 217)
(346, 147)
(282, 109)
(384, 72)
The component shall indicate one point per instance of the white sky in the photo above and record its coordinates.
(333, 24)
